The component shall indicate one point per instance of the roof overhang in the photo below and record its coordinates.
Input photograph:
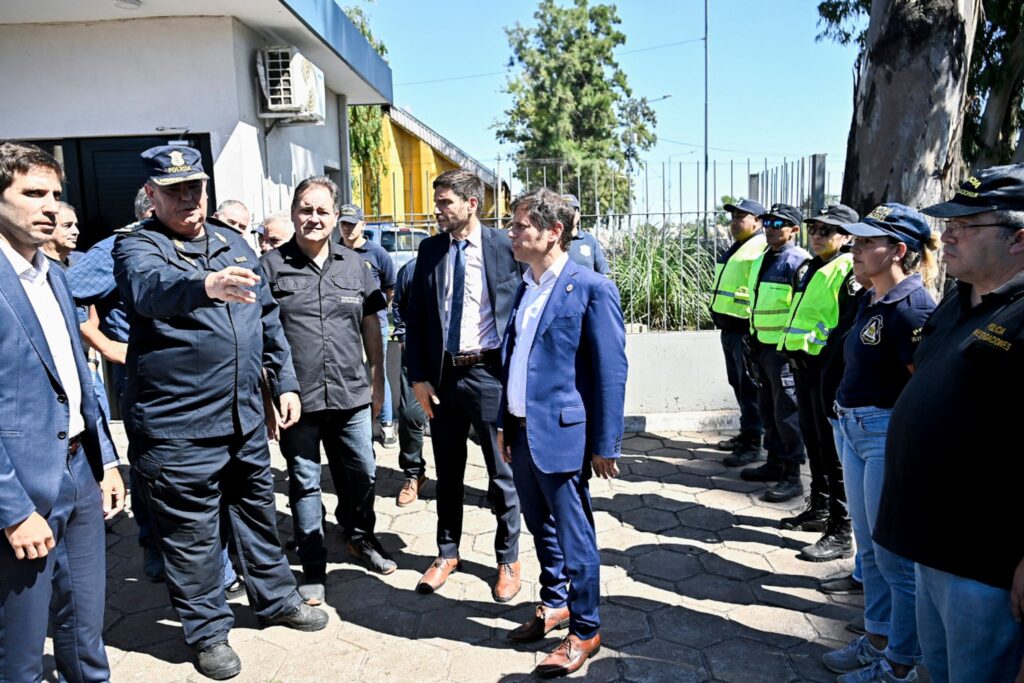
(318, 28)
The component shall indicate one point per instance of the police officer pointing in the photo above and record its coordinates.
(203, 324)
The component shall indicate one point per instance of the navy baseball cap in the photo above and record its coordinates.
(350, 213)
(784, 212)
(894, 220)
(747, 206)
(571, 200)
(1000, 188)
(170, 164)
(835, 214)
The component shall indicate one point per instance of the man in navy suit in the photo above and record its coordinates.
(460, 298)
(562, 414)
(58, 467)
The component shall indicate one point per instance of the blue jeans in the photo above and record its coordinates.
(857, 573)
(889, 603)
(347, 437)
(967, 629)
(387, 412)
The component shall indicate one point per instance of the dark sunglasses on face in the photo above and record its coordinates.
(777, 223)
(822, 230)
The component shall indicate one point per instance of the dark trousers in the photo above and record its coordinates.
(558, 513)
(67, 588)
(776, 400)
(412, 423)
(827, 489)
(470, 395)
(743, 385)
(347, 438)
(185, 484)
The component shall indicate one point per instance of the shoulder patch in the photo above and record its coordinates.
(871, 333)
(219, 236)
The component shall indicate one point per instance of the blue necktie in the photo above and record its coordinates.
(458, 297)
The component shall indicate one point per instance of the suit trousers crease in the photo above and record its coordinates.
(67, 588)
(470, 395)
(186, 484)
(558, 512)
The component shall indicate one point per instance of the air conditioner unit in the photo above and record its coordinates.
(291, 86)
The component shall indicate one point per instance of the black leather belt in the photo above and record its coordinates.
(465, 360)
(74, 445)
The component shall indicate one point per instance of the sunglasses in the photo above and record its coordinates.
(776, 224)
(821, 230)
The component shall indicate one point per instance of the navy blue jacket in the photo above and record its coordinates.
(34, 413)
(193, 366)
(424, 326)
(585, 250)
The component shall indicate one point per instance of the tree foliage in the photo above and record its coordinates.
(366, 128)
(573, 111)
(994, 119)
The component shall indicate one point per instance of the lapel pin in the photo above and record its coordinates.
(568, 287)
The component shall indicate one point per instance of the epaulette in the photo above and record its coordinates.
(132, 227)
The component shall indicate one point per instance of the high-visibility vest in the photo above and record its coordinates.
(772, 293)
(815, 310)
(731, 295)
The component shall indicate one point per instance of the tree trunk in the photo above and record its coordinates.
(997, 121)
(909, 97)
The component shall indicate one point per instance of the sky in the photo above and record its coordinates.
(774, 92)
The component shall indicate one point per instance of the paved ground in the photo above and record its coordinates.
(698, 581)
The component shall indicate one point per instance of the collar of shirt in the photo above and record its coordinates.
(474, 238)
(552, 273)
(902, 290)
(34, 272)
(1008, 291)
(290, 251)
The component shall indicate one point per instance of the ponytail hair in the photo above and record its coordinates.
(924, 262)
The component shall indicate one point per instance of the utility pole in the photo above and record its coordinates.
(705, 118)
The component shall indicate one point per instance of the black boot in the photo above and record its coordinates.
(728, 444)
(218, 661)
(766, 472)
(789, 485)
(746, 451)
(835, 544)
(813, 518)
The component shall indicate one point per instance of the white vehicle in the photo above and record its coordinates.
(400, 241)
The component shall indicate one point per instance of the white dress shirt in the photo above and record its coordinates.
(478, 331)
(47, 310)
(531, 308)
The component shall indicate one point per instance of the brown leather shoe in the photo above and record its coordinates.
(437, 574)
(410, 491)
(544, 622)
(508, 584)
(568, 656)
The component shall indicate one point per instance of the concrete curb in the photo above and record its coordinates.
(687, 421)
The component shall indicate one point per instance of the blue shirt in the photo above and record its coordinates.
(91, 278)
(585, 251)
(383, 269)
(881, 345)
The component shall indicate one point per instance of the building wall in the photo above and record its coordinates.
(121, 78)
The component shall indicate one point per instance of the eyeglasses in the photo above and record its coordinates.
(822, 230)
(776, 224)
(957, 228)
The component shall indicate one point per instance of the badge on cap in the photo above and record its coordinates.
(177, 158)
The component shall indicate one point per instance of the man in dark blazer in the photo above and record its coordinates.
(564, 376)
(58, 467)
(460, 298)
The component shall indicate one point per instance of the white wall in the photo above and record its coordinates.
(676, 372)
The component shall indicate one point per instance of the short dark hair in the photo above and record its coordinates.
(317, 181)
(22, 157)
(465, 184)
(544, 208)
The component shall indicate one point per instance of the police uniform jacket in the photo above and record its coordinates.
(194, 364)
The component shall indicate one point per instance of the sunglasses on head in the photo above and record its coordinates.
(822, 230)
(777, 223)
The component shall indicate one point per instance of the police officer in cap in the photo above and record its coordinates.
(584, 250)
(203, 325)
(730, 311)
(773, 277)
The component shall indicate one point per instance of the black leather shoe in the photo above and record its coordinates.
(218, 661)
(765, 472)
(841, 585)
(302, 618)
(813, 518)
(789, 487)
(834, 545)
(744, 454)
(728, 444)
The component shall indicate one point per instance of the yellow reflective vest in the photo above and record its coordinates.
(772, 292)
(815, 310)
(731, 294)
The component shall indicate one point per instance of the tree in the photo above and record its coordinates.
(993, 124)
(366, 128)
(573, 112)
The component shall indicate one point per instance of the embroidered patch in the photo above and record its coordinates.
(871, 334)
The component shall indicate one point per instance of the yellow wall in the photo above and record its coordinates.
(406, 195)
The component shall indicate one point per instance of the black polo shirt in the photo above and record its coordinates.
(954, 470)
(322, 313)
(382, 267)
(881, 345)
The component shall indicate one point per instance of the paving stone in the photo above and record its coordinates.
(622, 625)
(669, 499)
(658, 661)
(648, 595)
(133, 596)
(640, 444)
(723, 500)
(735, 564)
(409, 661)
(701, 467)
(672, 452)
(650, 520)
(149, 627)
(739, 659)
(620, 502)
(774, 624)
(468, 664)
(806, 657)
(702, 517)
(719, 593)
(667, 565)
(260, 661)
(690, 627)
(650, 469)
(730, 482)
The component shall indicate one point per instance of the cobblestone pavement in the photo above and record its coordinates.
(698, 581)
